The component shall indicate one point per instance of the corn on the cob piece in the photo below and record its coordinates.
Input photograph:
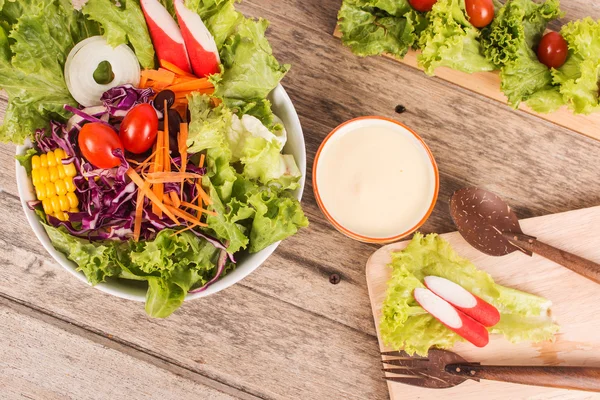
(53, 183)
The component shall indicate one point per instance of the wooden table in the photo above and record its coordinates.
(285, 331)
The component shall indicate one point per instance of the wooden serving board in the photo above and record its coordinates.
(576, 308)
(488, 84)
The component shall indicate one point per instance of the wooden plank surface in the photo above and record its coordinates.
(285, 332)
(488, 84)
(576, 304)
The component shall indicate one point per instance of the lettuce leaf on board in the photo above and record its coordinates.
(373, 27)
(405, 325)
(35, 39)
(579, 78)
(509, 43)
(123, 22)
(451, 41)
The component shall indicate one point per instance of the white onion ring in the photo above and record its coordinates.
(83, 61)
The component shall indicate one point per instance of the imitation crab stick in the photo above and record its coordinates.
(452, 318)
(475, 307)
(166, 35)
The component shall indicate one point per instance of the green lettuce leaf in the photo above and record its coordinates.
(451, 41)
(509, 43)
(579, 78)
(277, 216)
(35, 39)
(25, 159)
(405, 325)
(219, 16)
(373, 27)
(123, 22)
(251, 71)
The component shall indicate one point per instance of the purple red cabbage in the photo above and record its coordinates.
(121, 99)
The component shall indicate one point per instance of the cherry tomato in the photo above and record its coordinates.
(97, 142)
(553, 50)
(422, 5)
(480, 12)
(139, 129)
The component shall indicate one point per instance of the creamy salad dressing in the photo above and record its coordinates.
(375, 178)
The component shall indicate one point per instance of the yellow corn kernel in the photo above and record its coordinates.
(60, 216)
(61, 171)
(55, 203)
(73, 200)
(51, 160)
(64, 203)
(53, 173)
(74, 210)
(70, 170)
(61, 187)
(70, 185)
(35, 177)
(35, 162)
(59, 155)
(44, 175)
(43, 161)
(40, 193)
(50, 190)
(47, 204)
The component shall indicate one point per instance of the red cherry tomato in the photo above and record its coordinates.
(97, 142)
(422, 5)
(139, 129)
(553, 50)
(480, 12)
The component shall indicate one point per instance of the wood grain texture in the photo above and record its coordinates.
(285, 331)
(488, 84)
(576, 302)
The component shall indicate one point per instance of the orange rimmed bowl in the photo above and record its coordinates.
(421, 147)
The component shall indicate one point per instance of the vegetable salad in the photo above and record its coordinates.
(545, 71)
(166, 169)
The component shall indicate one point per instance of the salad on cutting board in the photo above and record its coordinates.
(154, 153)
(546, 70)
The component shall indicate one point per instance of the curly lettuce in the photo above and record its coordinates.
(451, 41)
(123, 22)
(509, 43)
(35, 40)
(405, 325)
(373, 27)
(579, 78)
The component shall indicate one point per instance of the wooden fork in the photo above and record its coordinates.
(445, 369)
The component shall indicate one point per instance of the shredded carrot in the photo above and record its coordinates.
(205, 198)
(175, 69)
(186, 216)
(158, 188)
(190, 227)
(175, 199)
(162, 75)
(197, 84)
(143, 82)
(167, 200)
(142, 186)
(202, 210)
(167, 165)
(139, 213)
(182, 139)
(183, 79)
(202, 158)
(216, 102)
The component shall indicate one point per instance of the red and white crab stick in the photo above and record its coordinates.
(454, 319)
(475, 307)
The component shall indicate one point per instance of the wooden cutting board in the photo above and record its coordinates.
(576, 308)
(488, 84)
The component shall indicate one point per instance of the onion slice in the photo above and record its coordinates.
(82, 62)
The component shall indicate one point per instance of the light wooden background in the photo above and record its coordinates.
(285, 331)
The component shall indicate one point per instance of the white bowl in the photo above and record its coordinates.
(131, 290)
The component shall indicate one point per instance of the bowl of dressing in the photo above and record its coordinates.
(375, 179)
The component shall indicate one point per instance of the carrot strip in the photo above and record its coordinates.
(175, 69)
(183, 136)
(139, 210)
(185, 216)
(148, 193)
(167, 165)
(202, 158)
(162, 76)
(198, 84)
(175, 199)
(173, 176)
(183, 79)
(158, 188)
(202, 210)
(206, 198)
(143, 82)
(190, 227)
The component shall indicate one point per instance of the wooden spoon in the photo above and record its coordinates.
(488, 224)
